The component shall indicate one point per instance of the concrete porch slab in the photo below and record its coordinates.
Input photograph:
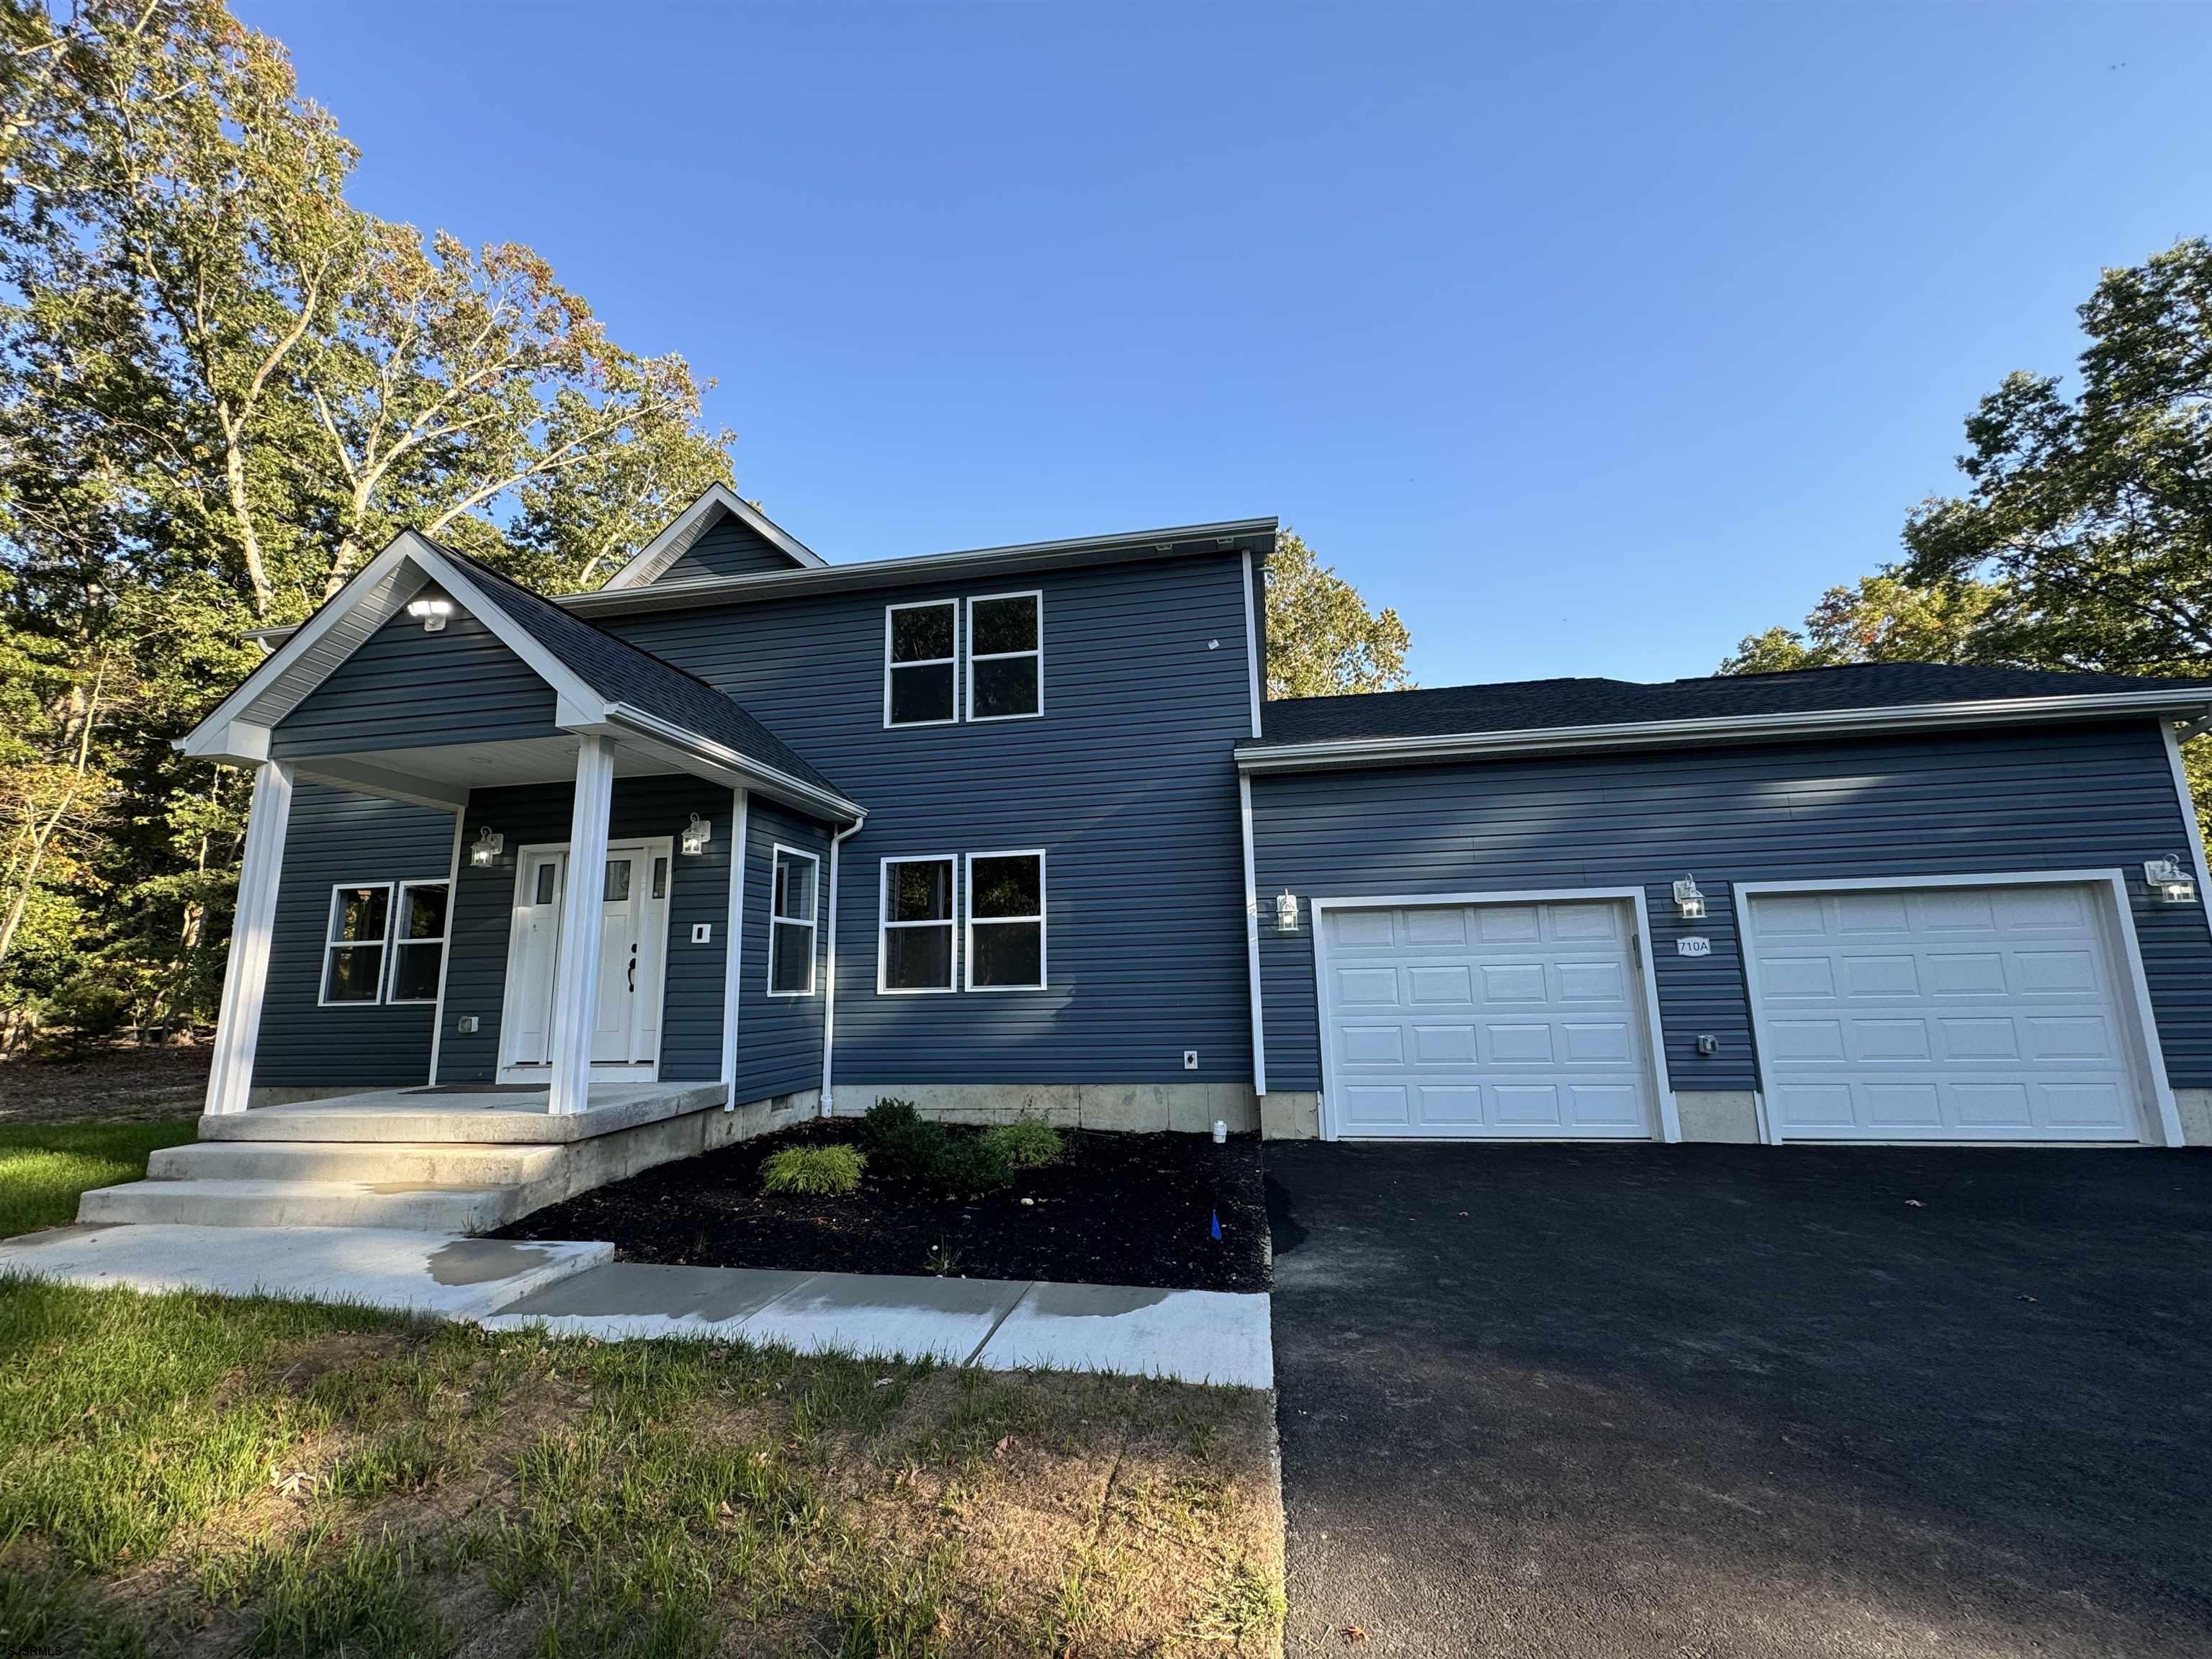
(371, 1266)
(451, 1118)
(1195, 1336)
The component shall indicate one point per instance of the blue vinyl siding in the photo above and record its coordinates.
(2053, 798)
(732, 548)
(475, 982)
(779, 1038)
(1127, 782)
(335, 836)
(404, 687)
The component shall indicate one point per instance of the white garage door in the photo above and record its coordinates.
(1941, 1013)
(1485, 1020)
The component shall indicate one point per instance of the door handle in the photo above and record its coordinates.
(632, 969)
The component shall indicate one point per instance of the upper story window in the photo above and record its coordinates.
(921, 647)
(1006, 657)
(1003, 653)
(790, 923)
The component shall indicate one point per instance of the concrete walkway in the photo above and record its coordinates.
(579, 1290)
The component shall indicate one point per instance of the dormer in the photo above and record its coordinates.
(721, 534)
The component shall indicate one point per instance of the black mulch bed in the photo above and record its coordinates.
(1116, 1209)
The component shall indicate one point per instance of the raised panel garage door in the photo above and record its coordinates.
(1942, 1013)
(1485, 1020)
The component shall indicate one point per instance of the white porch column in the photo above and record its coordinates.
(576, 979)
(246, 974)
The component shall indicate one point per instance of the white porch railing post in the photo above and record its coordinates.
(576, 980)
(246, 973)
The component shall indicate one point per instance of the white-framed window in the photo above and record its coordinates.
(921, 652)
(916, 926)
(421, 925)
(355, 942)
(1006, 947)
(793, 879)
(1005, 656)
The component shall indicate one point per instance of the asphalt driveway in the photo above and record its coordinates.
(1704, 1400)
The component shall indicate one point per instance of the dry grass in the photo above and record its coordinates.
(183, 1474)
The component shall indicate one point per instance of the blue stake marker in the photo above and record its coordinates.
(1217, 1226)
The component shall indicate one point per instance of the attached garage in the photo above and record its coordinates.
(1951, 1009)
(1488, 1017)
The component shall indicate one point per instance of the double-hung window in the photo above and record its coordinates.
(1006, 657)
(920, 660)
(914, 952)
(354, 942)
(1005, 921)
(418, 949)
(790, 923)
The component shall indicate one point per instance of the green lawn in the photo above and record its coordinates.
(44, 1166)
(187, 1474)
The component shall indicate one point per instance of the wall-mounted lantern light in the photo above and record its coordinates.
(485, 851)
(2170, 880)
(697, 834)
(1286, 912)
(1689, 902)
(431, 613)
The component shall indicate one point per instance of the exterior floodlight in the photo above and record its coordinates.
(432, 613)
(2168, 880)
(1689, 902)
(485, 853)
(697, 834)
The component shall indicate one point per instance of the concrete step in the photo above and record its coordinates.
(226, 1203)
(415, 1164)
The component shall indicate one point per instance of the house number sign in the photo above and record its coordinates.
(1693, 944)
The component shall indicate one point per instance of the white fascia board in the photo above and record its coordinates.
(736, 768)
(693, 522)
(1382, 751)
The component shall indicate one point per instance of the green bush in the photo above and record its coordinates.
(972, 1164)
(812, 1171)
(903, 1142)
(1027, 1143)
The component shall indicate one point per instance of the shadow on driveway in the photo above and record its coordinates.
(1706, 1401)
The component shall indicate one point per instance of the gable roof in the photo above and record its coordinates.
(601, 684)
(1522, 715)
(717, 503)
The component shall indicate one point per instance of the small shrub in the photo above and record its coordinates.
(903, 1142)
(812, 1171)
(972, 1165)
(1027, 1143)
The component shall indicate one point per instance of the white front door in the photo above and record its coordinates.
(1486, 1021)
(1942, 1013)
(633, 895)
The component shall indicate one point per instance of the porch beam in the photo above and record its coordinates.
(246, 973)
(576, 977)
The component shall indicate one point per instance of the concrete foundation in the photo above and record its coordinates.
(2194, 1107)
(1726, 1115)
(1141, 1108)
(1290, 1115)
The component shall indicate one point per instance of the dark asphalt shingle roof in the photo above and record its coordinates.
(1534, 705)
(621, 672)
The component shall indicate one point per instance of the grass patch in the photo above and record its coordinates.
(44, 1166)
(186, 1475)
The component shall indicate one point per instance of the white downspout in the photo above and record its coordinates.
(829, 968)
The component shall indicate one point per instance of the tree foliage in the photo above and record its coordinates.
(1322, 641)
(2084, 539)
(221, 385)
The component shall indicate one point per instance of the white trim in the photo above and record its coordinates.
(813, 926)
(2189, 818)
(968, 913)
(968, 668)
(1639, 734)
(1252, 939)
(245, 969)
(399, 941)
(1251, 648)
(830, 972)
(576, 969)
(453, 897)
(323, 998)
(2120, 920)
(1669, 1125)
(951, 924)
(952, 662)
(741, 767)
(715, 502)
(733, 956)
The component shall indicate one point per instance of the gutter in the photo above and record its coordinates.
(1741, 728)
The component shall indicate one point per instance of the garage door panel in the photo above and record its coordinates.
(1513, 1020)
(1965, 1013)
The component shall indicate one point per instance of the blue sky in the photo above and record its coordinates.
(1590, 337)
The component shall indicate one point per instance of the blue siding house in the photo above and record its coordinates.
(1013, 830)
